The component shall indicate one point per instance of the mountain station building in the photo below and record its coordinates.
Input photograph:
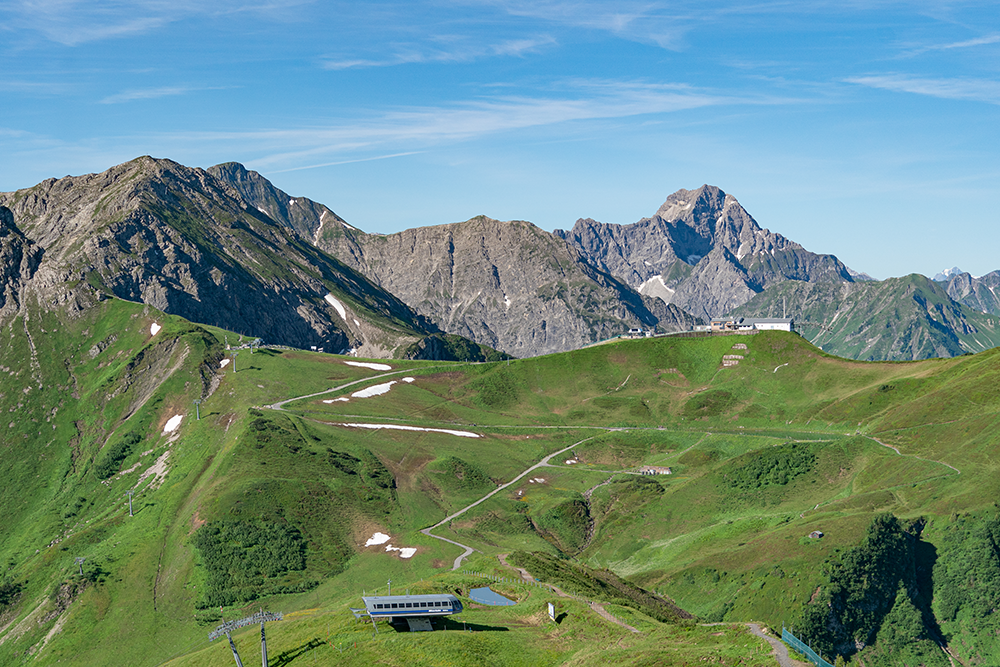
(720, 324)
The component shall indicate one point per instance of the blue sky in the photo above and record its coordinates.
(863, 129)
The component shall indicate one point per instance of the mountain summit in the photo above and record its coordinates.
(701, 251)
(188, 243)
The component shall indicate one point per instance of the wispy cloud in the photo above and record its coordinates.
(150, 94)
(340, 162)
(641, 20)
(459, 50)
(975, 90)
(34, 87)
(985, 40)
(75, 22)
(421, 128)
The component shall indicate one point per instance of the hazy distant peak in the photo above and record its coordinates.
(948, 274)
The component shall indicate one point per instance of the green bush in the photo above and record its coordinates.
(601, 585)
(113, 455)
(498, 390)
(242, 556)
(776, 466)
(469, 476)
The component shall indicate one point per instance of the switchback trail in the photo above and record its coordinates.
(450, 517)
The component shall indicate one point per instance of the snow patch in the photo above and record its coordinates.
(408, 380)
(224, 363)
(693, 259)
(356, 323)
(570, 462)
(399, 427)
(506, 300)
(262, 210)
(172, 424)
(154, 329)
(365, 364)
(342, 399)
(404, 552)
(374, 390)
(332, 300)
(348, 226)
(377, 538)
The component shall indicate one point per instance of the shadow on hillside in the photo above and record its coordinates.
(444, 623)
(286, 657)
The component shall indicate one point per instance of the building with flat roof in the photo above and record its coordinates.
(753, 324)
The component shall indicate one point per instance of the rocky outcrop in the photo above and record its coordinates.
(187, 243)
(982, 293)
(701, 251)
(19, 259)
(509, 285)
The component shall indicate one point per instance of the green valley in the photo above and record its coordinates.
(267, 492)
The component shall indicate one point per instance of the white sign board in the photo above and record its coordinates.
(552, 612)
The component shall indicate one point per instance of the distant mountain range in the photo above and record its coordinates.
(224, 246)
(187, 243)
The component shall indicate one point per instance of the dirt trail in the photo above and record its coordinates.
(468, 549)
(598, 607)
(780, 650)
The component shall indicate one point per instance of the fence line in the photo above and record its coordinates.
(801, 647)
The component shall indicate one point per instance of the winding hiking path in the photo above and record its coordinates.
(912, 456)
(468, 550)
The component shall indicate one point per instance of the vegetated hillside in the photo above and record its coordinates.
(788, 441)
(187, 243)
(701, 251)
(251, 506)
(244, 507)
(896, 319)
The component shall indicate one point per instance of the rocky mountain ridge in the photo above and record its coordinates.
(701, 251)
(185, 242)
(898, 319)
(509, 285)
(982, 293)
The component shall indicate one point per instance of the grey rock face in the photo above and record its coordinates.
(509, 285)
(185, 242)
(701, 251)
(982, 293)
(19, 259)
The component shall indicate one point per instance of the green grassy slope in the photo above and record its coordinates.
(255, 506)
(910, 317)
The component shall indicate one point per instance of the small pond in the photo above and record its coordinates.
(489, 597)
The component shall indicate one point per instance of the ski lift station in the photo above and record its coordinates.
(391, 606)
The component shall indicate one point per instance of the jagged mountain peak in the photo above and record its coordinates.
(308, 218)
(676, 254)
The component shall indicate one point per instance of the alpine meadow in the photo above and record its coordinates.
(265, 497)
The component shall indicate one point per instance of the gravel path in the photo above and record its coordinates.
(469, 550)
(780, 650)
